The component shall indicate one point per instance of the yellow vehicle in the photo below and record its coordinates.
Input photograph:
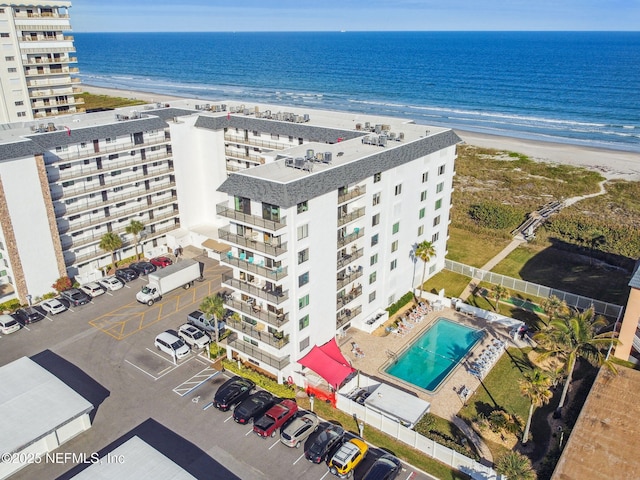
(348, 457)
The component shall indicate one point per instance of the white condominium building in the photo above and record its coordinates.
(36, 61)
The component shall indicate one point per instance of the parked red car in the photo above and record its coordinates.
(161, 261)
(274, 418)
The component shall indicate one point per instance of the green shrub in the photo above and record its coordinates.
(261, 380)
(406, 298)
(496, 216)
(10, 305)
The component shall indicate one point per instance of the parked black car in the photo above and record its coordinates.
(232, 392)
(143, 268)
(28, 315)
(75, 297)
(328, 440)
(126, 274)
(253, 407)
(387, 467)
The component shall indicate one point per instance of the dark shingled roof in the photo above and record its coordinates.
(309, 186)
(170, 113)
(19, 149)
(60, 138)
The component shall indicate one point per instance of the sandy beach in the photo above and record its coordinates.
(611, 164)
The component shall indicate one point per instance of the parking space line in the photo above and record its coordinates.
(325, 474)
(26, 328)
(227, 419)
(248, 433)
(47, 317)
(277, 442)
(299, 458)
(207, 406)
(141, 369)
(195, 381)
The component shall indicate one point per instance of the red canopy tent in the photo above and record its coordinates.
(328, 362)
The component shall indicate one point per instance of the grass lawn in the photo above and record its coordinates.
(92, 101)
(453, 283)
(558, 269)
(472, 248)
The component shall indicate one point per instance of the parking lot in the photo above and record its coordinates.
(111, 342)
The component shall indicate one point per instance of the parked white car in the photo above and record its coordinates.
(53, 306)
(168, 343)
(8, 324)
(192, 336)
(110, 283)
(92, 289)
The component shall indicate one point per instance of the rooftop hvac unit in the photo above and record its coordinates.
(300, 161)
(358, 126)
(306, 117)
(224, 107)
(310, 154)
(386, 128)
(382, 140)
(246, 111)
(256, 110)
(288, 162)
(366, 140)
(378, 128)
(319, 157)
(367, 125)
(392, 135)
(400, 136)
(327, 157)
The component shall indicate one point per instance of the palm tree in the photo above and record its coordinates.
(536, 386)
(575, 336)
(424, 251)
(515, 466)
(499, 292)
(553, 307)
(110, 242)
(213, 307)
(134, 228)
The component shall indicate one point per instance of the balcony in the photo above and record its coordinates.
(223, 210)
(351, 237)
(255, 142)
(126, 147)
(347, 258)
(54, 60)
(248, 266)
(275, 319)
(344, 194)
(274, 296)
(273, 249)
(242, 155)
(344, 300)
(277, 340)
(350, 217)
(256, 354)
(347, 315)
(347, 279)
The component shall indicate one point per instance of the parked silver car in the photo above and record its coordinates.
(299, 429)
(192, 336)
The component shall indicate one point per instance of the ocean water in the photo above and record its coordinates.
(569, 87)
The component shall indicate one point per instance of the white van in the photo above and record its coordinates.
(174, 346)
(8, 324)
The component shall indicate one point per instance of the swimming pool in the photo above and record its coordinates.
(431, 357)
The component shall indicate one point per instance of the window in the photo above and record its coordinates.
(394, 264)
(423, 196)
(392, 299)
(372, 296)
(373, 260)
(256, 133)
(441, 170)
(377, 177)
(394, 246)
(375, 220)
(303, 256)
(421, 214)
(435, 237)
(108, 140)
(303, 279)
(376, 199)
(304, 344)
(303, 302)
(396, 228)
(303, 207)
(425, 177)
(83, 144)
(420, 230)
(438, 204)
(303, 322)
(68, 183)
(436, 221)
(372, 277)
(18, 103)
(303, 231)
(275, 136)
(12, 70)
(398, 189)
(4, 34)
(22, 114)
(374, 240)
(9, 59)
(432, 269)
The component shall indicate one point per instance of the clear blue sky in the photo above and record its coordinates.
(352, 15)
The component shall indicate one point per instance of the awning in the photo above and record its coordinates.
(328, 362)
(216, 246)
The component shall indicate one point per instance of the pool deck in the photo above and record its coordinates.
(445, 401)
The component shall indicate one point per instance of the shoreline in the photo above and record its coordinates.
(611, 164)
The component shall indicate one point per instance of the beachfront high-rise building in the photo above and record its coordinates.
(37, 62)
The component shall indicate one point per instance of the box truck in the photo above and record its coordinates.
(180, 274)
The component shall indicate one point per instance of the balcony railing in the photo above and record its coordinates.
(273, 249)
(248, 266)
(276, 297)
(347, 279)
(347, 315)
(229, 152)
(346, 195)
(47, 60)
(277, 320)
(344, 300)
(256, 353)
(347, 239)
(273, 225)
(126, 147)
(255, 142)
(348, 258)
(350, 217)
(264, 336)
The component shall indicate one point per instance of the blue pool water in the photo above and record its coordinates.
(428, 360)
